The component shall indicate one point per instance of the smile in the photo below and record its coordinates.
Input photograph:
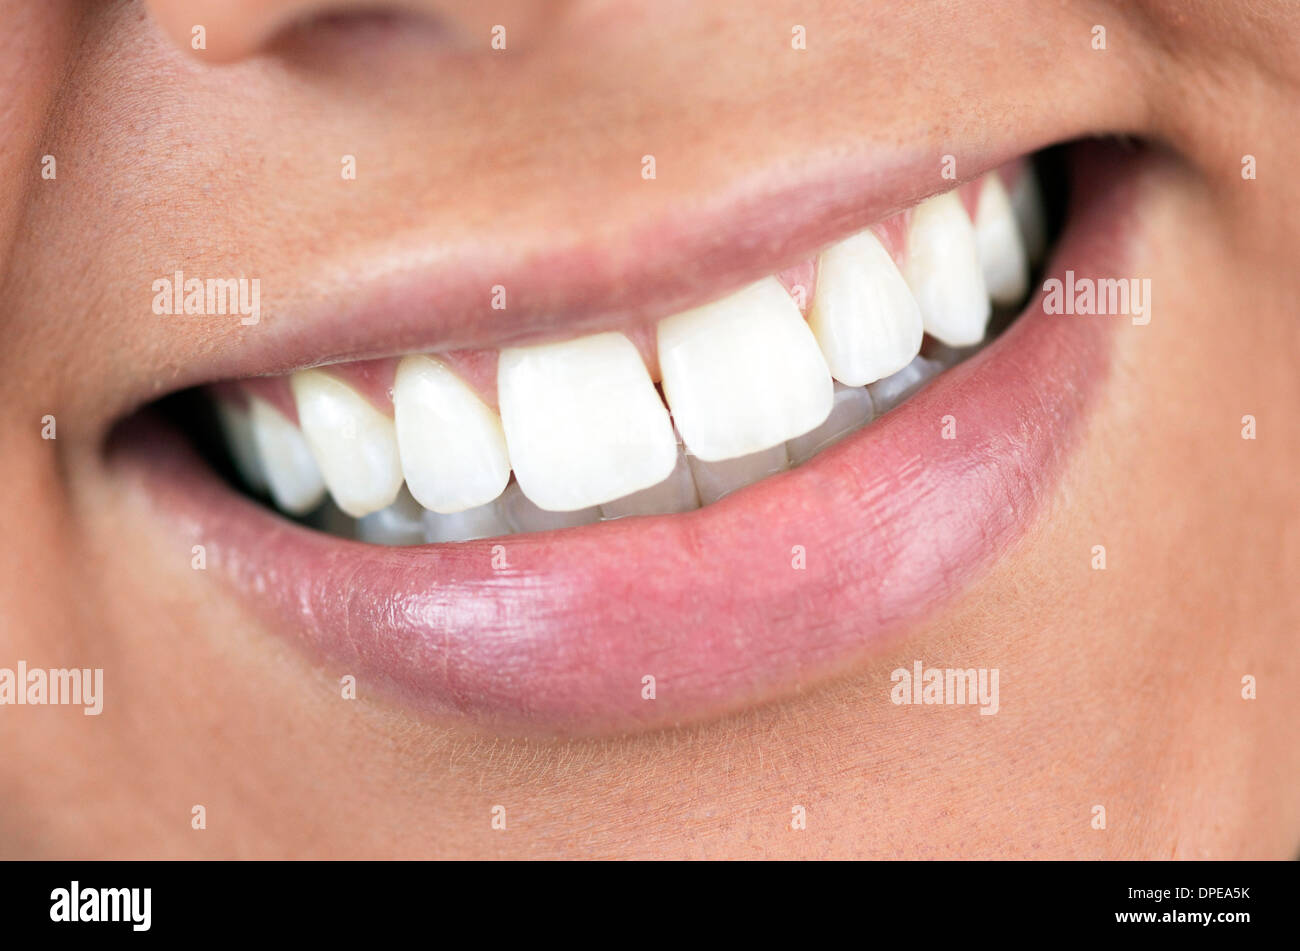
(656, 421)
(533, 533)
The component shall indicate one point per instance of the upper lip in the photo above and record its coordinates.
(425, 293)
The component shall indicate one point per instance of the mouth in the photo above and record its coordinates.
(639, 516)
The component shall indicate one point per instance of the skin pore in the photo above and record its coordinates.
(1120, 688)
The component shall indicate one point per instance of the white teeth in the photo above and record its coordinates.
(943, 270)
(399, 524)
(675, 494)
(713, 480)
(853, 409)
(452, 445)
(485, 521)
(1001, 251)
(523, 515)
(238, 430)
(892, 390)
(291, 473)
(753, 387)
(354, 444)
(863, 315)
(583, 421)
(743, 374)
(1027, 200)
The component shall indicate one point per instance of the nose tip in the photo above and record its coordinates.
(225, 31)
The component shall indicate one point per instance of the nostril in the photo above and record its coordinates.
(338, 33)
(225, 31)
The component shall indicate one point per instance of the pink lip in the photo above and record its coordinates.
(894, 522)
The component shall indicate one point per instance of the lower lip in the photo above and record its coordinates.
(558, 632)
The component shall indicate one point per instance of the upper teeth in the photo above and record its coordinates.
(863, 315)
(752, 387)
(583, 421)
(943, 270)
(238, 429)
(354, 443)
(1001, 249)
(452, 446)
(744, 373)
(291, 472)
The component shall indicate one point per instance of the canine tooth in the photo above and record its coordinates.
(1031, 215)
(291, 472)
(452, 446)
(483, 521)
(943, 270)
(853, 409)
(354, 444)
(523, 515)
(713, 480)
(583, 422)
(401, 523)
(675, 494)
(238, 430)
(892, 390)
(1001, 250)
(863, 315)
(743, 374)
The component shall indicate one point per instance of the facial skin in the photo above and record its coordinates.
(1120, 688)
